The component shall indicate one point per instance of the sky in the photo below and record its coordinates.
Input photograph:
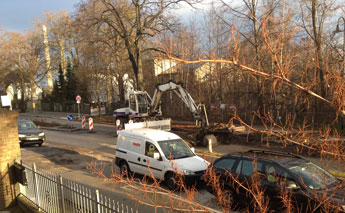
(18, 15)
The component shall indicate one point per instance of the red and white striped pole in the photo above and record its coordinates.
(90, 125)
(83, 121)
(118, 126)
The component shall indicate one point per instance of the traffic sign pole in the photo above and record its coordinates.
(78, 99)
(83, 121)
(78, 112)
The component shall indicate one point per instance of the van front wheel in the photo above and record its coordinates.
(170, 181)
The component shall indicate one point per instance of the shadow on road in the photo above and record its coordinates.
(66, 158)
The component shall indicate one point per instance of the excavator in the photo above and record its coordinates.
(141, 107)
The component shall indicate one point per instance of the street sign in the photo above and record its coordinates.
(78, 99)
(70, 117)
(5, 100)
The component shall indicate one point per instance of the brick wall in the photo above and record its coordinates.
(9, 151)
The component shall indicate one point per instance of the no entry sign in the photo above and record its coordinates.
(78, 99)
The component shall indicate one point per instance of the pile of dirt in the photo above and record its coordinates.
(46, 124)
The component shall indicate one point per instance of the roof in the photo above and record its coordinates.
(284, 159)
(151, 134)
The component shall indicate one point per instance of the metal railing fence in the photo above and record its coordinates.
(54, 194)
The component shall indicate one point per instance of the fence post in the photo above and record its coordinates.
(61, 194)
(98, 202)
(37, 197)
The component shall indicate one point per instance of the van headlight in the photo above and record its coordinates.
(188, 172)
(21, 136)
(41, 134)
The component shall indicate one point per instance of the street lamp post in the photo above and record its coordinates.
(338, 30)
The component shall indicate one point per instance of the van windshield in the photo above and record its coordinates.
(175, 149)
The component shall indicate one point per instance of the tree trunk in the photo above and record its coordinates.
(22, 92)
(121, 88)
(141, 83)
(318, 44)
(109, 88)
(62, 57)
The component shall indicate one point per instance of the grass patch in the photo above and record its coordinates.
(108, 119)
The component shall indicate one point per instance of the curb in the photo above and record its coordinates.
(60, 129)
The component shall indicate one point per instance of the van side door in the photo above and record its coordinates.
(135, 157)
(153, 167)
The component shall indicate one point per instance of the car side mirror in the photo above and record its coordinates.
(156, 156)
(292, 185)
(193, 149)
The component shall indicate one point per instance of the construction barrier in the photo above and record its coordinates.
(118, 126)
(83, 121)
(90, 125)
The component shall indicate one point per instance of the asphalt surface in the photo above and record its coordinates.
(69, 151)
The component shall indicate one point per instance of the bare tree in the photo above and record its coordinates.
(134, 22)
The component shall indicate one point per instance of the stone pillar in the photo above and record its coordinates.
(9, 152)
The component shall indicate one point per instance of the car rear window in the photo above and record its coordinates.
(226, 163)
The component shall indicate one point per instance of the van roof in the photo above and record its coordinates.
(147, 133)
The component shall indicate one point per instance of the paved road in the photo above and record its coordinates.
(95, 141)
(100, 147)
(61, 118)
(69, 153)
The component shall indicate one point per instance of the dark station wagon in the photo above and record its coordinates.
(310, 188)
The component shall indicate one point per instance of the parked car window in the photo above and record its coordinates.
(226, 163)
(150, 149)
(247, 167)
(276, 175)
(239, 167)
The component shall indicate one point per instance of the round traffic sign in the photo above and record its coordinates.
(78, 98)
(70, 117)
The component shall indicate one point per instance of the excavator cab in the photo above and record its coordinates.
(139, 102)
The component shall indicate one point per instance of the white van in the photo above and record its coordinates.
(149, 150)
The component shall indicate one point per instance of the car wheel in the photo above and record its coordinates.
(40, 144)
(124, 169)
(170, 181)
(227, 198)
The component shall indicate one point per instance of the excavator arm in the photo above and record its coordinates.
(183, 94)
